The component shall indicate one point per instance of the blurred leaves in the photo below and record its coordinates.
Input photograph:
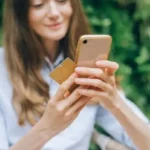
(128, 22)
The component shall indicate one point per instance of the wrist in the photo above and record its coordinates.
(42, 131)
(117, 104)
(35, 139)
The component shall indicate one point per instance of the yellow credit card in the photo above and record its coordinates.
(63, 71)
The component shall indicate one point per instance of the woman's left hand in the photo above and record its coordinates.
(102, 87)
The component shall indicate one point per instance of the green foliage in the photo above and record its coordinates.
(128, 24)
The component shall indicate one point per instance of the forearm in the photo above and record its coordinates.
(107, 143)
(137, 129)
(34, 140)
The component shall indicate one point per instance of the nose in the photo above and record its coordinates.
(53, 11)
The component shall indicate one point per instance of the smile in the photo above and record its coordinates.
(55, 26)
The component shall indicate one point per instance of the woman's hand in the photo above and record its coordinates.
(102, 84)
(61, 111)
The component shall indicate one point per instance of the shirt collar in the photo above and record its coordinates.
(58, 60)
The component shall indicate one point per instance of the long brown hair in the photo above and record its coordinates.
(24, 57)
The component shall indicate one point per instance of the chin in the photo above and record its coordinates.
(56, 36)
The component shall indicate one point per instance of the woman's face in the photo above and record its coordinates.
(50, 19)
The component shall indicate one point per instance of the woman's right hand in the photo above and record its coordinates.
(61, 111)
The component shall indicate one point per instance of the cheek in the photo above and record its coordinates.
(67, 11)
(35, 17)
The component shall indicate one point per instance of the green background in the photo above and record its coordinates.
(128, 22)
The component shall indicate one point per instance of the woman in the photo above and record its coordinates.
(39, 34)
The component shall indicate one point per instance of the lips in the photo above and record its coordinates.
(55, 26)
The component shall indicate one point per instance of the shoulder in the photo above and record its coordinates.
(2, 59)
(3, 67)
(5, 83)
(1, 53)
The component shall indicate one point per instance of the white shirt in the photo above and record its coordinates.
(76, 137)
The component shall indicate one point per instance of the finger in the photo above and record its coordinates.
(72, 98)
(77, 106)
(91, 72)
(95, 73)
(107, 64)
(111, 66)
(67, 94)
(110, 72)
(84, 104)
(92, 93)
(93, 82)
(94, 101)
(64, 87)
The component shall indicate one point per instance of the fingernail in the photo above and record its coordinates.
(99, 62)
(74, 75)
(78, 69)
(116, 65)
(77, 80)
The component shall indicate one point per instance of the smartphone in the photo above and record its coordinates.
(91, 48)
